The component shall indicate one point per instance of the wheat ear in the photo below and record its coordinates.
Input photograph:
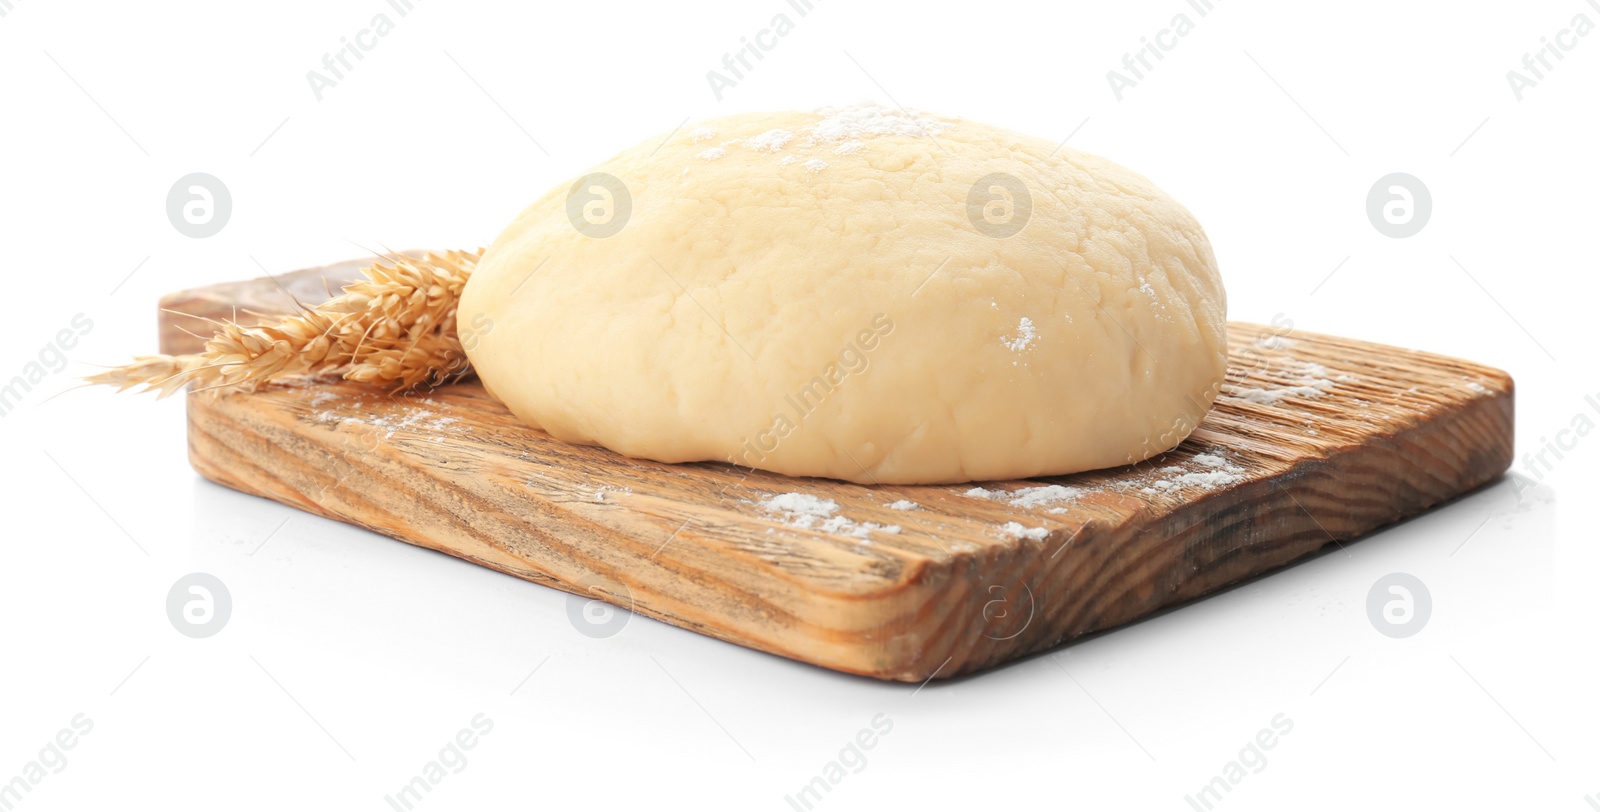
(395, 328)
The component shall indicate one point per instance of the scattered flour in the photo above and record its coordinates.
(1205, 471)
(844, 128)
(770, 141)
(1042, 495)
(1275, 395)
(903, 504)
(1205, 480)
(416, 419)
(1019, 532)
(1025, 336)
(1310, 380)
(801, 504)
(1215, 472)
(806, 512)
(1161, 307)
(1036, 496)
(848, 123)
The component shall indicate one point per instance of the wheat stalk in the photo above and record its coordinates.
(396, 328)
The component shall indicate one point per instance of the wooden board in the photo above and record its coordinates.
(1315, 440)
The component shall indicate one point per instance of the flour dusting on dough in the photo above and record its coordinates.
(844, 123)
(769, 141)
(1026, 333)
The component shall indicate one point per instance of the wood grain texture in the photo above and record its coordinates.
(1317, 440)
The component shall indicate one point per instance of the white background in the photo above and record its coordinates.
(351, 659)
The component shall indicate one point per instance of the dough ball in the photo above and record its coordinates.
(856, 293)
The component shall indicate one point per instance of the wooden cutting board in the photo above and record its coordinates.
(1315, 441)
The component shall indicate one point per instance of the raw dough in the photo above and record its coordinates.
(811, 293)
